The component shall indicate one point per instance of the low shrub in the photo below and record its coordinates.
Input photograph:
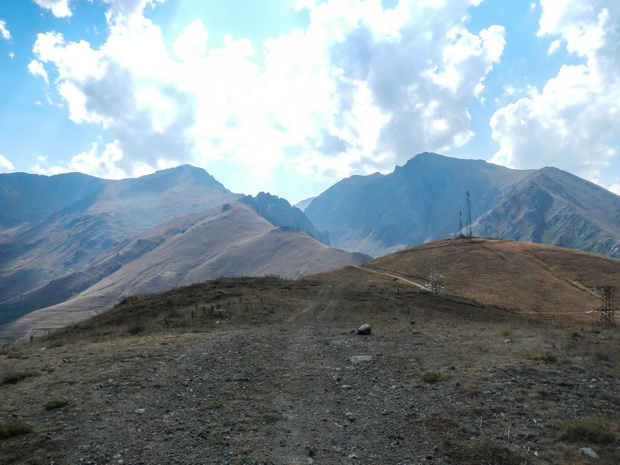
(433, 377)
(14, 377)
(56, 404)
(587, 430)
(543, 356)
(14, 428)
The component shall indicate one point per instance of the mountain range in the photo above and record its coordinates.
(103, 240)
(421, 201)
(72, 245)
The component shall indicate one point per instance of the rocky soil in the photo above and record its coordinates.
(438, 382)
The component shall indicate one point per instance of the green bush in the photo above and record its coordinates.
(14, 377)
(433, 377)
(543, 356)
(14, 428)
(587, 430)
(56, 404)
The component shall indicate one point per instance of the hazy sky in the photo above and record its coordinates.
(289, 96)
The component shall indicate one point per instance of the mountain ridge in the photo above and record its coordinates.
(424, 200)
(230, 239)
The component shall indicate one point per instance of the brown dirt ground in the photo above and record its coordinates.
(271, 381)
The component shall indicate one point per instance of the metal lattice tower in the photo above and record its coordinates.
(434, 284)
(608, 309)
(469, 232)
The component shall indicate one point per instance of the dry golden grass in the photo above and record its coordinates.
(548, 283)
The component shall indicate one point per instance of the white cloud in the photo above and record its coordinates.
(360, 89)
(103, 162)
(5, 165)
(36, 69)
(59, 8)
(574, 121)
(4, 32)
(555, 45)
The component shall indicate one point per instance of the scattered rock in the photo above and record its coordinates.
(364, 330)
(361, 359)
(588, 452)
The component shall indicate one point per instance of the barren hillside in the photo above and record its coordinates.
(271, 371)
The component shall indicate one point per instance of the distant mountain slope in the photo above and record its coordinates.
(421, 201)
(304, 203)
(73, 236)
(418, 202)
(551, 206)
(27, 199)
(227, 240)
(280, 213)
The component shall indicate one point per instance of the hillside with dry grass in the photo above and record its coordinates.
(227, 240)
(271, 371)
(544, 282)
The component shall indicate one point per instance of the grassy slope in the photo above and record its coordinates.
(546, 282)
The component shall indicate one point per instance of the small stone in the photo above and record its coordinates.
(360, 359)
(364, 330)
(588, 452)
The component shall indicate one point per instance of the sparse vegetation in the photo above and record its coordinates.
(587, 430)
(56, 404)
(274, 374)
(14, 377)
(482, 453)
(542, 356)
(433, 377)
(14, 428)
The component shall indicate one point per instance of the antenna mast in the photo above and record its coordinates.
(469, 232)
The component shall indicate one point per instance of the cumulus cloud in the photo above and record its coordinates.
(574, 120)
(4, 32)
(5, 165)
(36, 69)
(59, 8)
(123, 86)
(362, 88)
(402, 78)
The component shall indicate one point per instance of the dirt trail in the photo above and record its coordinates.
(398, 276)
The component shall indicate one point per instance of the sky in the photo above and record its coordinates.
(290, 96)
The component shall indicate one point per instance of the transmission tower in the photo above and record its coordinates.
(469, 232)
(434, 284)
(608, 309)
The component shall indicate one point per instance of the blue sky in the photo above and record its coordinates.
(290, 96)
